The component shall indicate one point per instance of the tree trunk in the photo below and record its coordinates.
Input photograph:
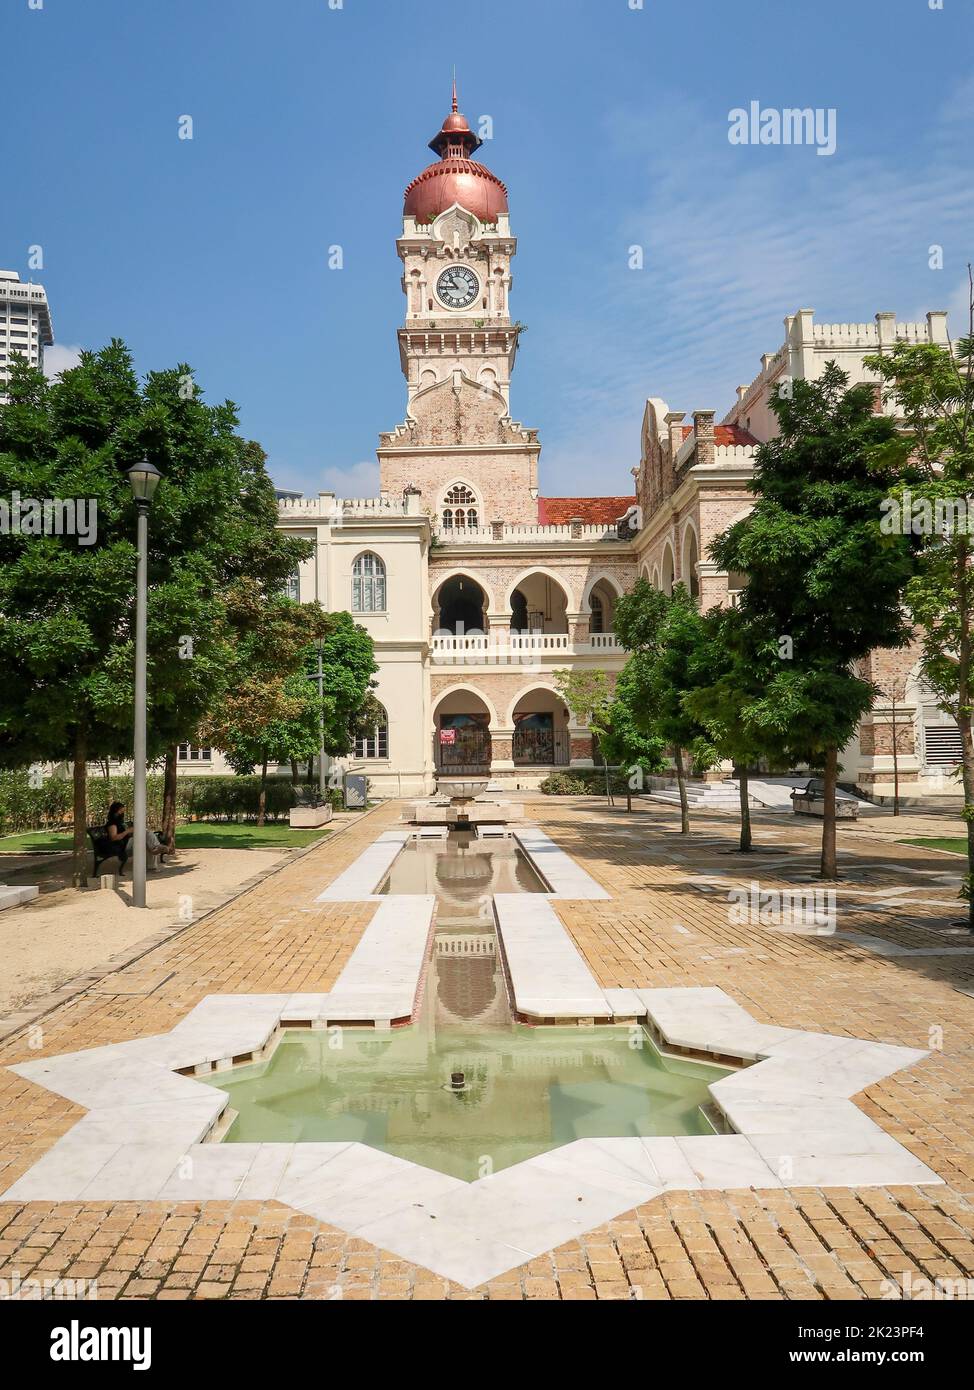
(311, 769)
(80, 871)
(681, 781)
(262, 800)
(294, 772)
(608, 785)
(967, 754)
(169, 794)
(745, 811)
(829, 867)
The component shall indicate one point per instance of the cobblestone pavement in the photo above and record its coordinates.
(667, 924)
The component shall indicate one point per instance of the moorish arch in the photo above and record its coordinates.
(471, 694)
(690, 559)
(461, 603)
(462, 721)
(541, 723)
(538, 601)
(602, 593)
(668, 569)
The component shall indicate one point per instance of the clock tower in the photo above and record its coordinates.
(458, 344)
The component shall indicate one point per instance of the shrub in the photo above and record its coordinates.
(229, 798)
(23, 807)
(582, 781)
(564, 784)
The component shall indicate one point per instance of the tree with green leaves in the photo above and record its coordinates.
(588, 696)
(739, 670)
(932, 389)
(348, 666)
(823, 583)
(67, 602)
(667, 642)
(271, 710)
(624, 742)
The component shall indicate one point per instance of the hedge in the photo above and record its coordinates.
(23, 807)
(582, 781)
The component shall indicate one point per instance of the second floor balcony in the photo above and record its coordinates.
(510, 648)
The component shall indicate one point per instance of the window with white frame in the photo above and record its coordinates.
(292, 587)
(597, 620)
(368, 584)
(375, 742)
(460, 508)
(187, 753)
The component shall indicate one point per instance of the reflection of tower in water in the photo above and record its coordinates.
(469, 987)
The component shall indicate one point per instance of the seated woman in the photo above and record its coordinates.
(116, 833)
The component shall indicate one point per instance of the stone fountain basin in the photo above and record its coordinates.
(461, 788)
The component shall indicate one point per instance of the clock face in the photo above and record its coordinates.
(458, 287)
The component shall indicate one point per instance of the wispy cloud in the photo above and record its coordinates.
(356, 480)
(734, 239)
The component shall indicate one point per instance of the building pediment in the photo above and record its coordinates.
(458, 410)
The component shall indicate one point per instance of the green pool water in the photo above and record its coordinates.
(525, 1089)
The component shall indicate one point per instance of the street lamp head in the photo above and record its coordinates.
(143, 478)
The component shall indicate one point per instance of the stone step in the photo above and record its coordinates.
(14, 897)
(698, 796)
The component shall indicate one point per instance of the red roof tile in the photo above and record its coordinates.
(726, 434)
(558, 511)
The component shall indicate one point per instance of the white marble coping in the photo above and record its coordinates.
(548, 977)
(140, 1139)
(14, 897)
(795, 1123)
(362, 877)
(564, 877)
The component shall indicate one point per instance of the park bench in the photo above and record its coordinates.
(104, 849)
(310, 809)
(810, 801)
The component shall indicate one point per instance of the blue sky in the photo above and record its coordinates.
(610, 130)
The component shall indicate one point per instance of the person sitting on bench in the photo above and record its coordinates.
(155, 844)
(116, 832)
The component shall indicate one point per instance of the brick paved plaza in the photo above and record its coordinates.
(666, 924)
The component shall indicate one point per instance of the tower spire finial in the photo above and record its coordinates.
(455, 106)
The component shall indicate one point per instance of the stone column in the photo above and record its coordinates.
(703, 430)
(581, 749)
(502, 751)
(578, 628)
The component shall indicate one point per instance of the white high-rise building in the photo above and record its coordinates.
(25, 323)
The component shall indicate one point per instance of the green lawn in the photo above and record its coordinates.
(200, 835)
(955, 846)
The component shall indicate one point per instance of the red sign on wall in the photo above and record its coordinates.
(448, 736)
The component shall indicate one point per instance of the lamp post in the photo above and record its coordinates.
(144, 479)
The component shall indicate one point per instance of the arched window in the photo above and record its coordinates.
(458, 509)
(596, 622)
(368, 584)
(374, 743)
